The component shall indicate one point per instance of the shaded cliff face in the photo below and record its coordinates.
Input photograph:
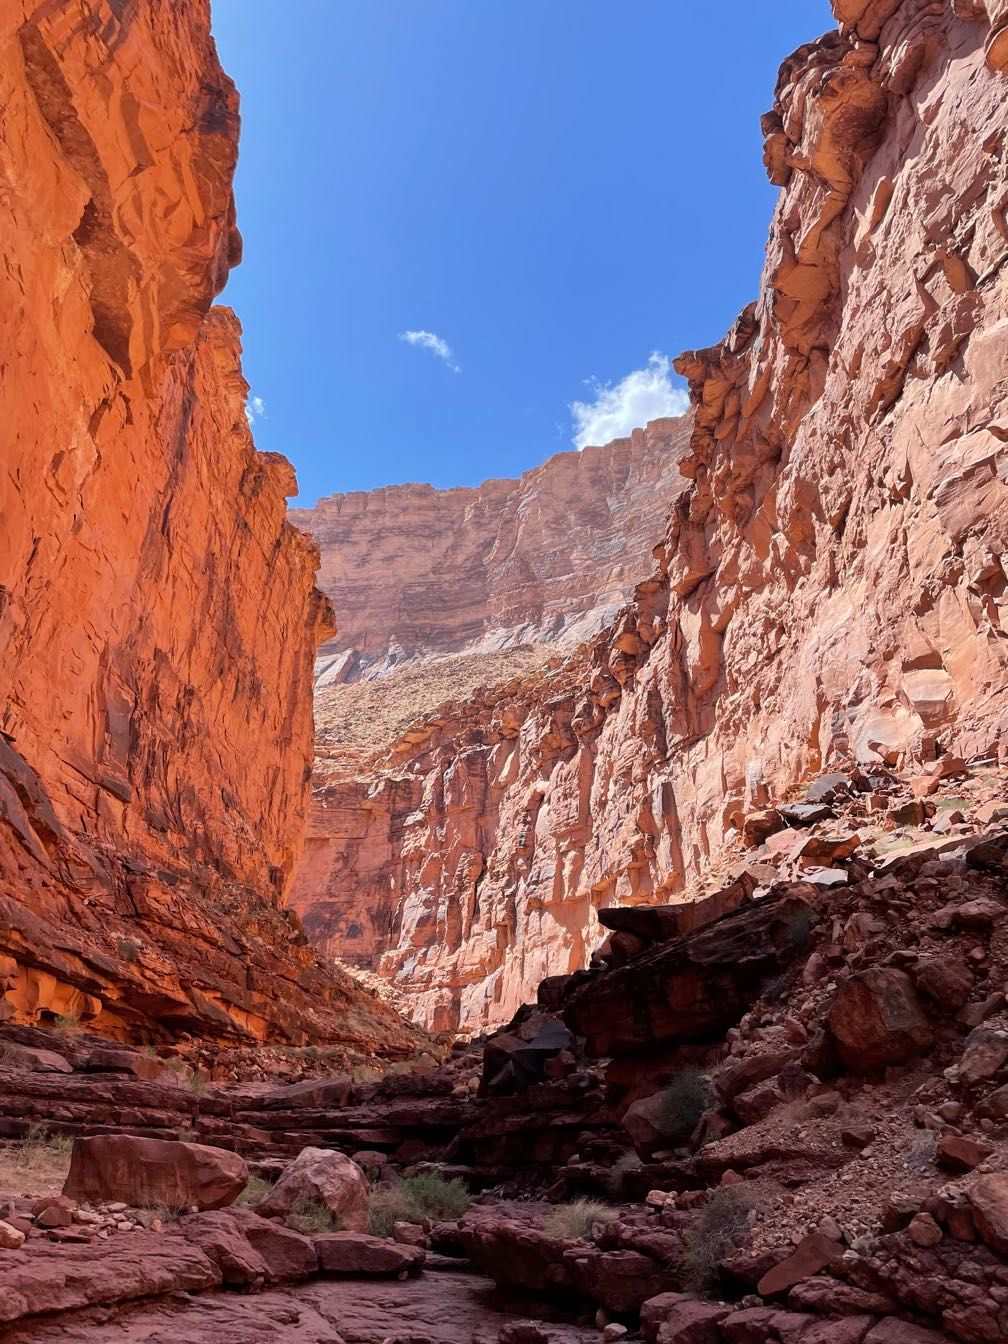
(547, 559)
(158, 616)
(831, 585)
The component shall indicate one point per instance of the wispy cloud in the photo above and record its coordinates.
(427, 340)
(255, 409)
(617, 408)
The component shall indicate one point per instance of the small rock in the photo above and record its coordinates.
(924, 1231)
(10, 1238)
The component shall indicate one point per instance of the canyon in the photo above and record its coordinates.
(696, 909)
(829, 585)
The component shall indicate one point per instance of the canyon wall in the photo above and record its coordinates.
(831, 585)
(546, 559)
(158, 615)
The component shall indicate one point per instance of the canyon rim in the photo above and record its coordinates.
(567, 909)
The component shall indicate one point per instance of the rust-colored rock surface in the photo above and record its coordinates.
(547, 559)
(158, 616)
(831, 586)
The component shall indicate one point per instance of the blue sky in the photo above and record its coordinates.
(476, 229)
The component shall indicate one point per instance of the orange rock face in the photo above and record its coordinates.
(832, 584)
(158, 616)
(547, 559)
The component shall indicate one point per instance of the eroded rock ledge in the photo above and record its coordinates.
(831, 584)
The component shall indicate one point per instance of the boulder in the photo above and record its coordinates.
(663, 1120)
(358, 1253)
(324, 1093)
(986, 1052)
(34, 1059)
(621, 1281)
(516, 1255)
(68, 1278)
(827, 850)
(894, 1331)
(152, 1172)
(512, 1062)
(328, 1178)
(692, 988)
(958, 1152)
(11, 1238)
(812, 1254)
(660, 923)
(988, 1198)
(876, 1020)
(826, 787)
(923, 1230)
(107, 1059)
(250, 1251)
(995, 1106)
(740, 1075)
(680, 1318)
(946, 983)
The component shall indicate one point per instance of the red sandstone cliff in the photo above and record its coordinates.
(548, 559)
(158, 616)
(832, 583)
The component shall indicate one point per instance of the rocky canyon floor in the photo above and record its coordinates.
(660, 804)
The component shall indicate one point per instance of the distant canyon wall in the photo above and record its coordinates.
(546, 559)
(831, 584)
(158, 615)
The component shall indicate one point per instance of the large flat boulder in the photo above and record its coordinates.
(147, 1173)
(358, 1253)
(67, 1278)
(693, 988)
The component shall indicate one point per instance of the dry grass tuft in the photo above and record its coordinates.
(38, 1165)
(311, 1218)
(575, 1221)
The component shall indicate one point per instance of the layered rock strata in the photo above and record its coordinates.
(158, 615)
(831, 585)
(547, 559)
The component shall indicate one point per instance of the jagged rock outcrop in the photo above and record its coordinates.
(832, 584)
(547, 559)
(158, 616)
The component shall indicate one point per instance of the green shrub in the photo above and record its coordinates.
(414, 1199)
(129, 950)
(255, 1191)
(388, 1205)
(437, 1198)
(65, 1022)
(198, 1083)
(684, 1102)
(310, 1217)
(575, 1221)
(721, 1222)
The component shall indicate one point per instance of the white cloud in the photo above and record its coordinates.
(255, 409)
(646, 394)
(435, 344)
